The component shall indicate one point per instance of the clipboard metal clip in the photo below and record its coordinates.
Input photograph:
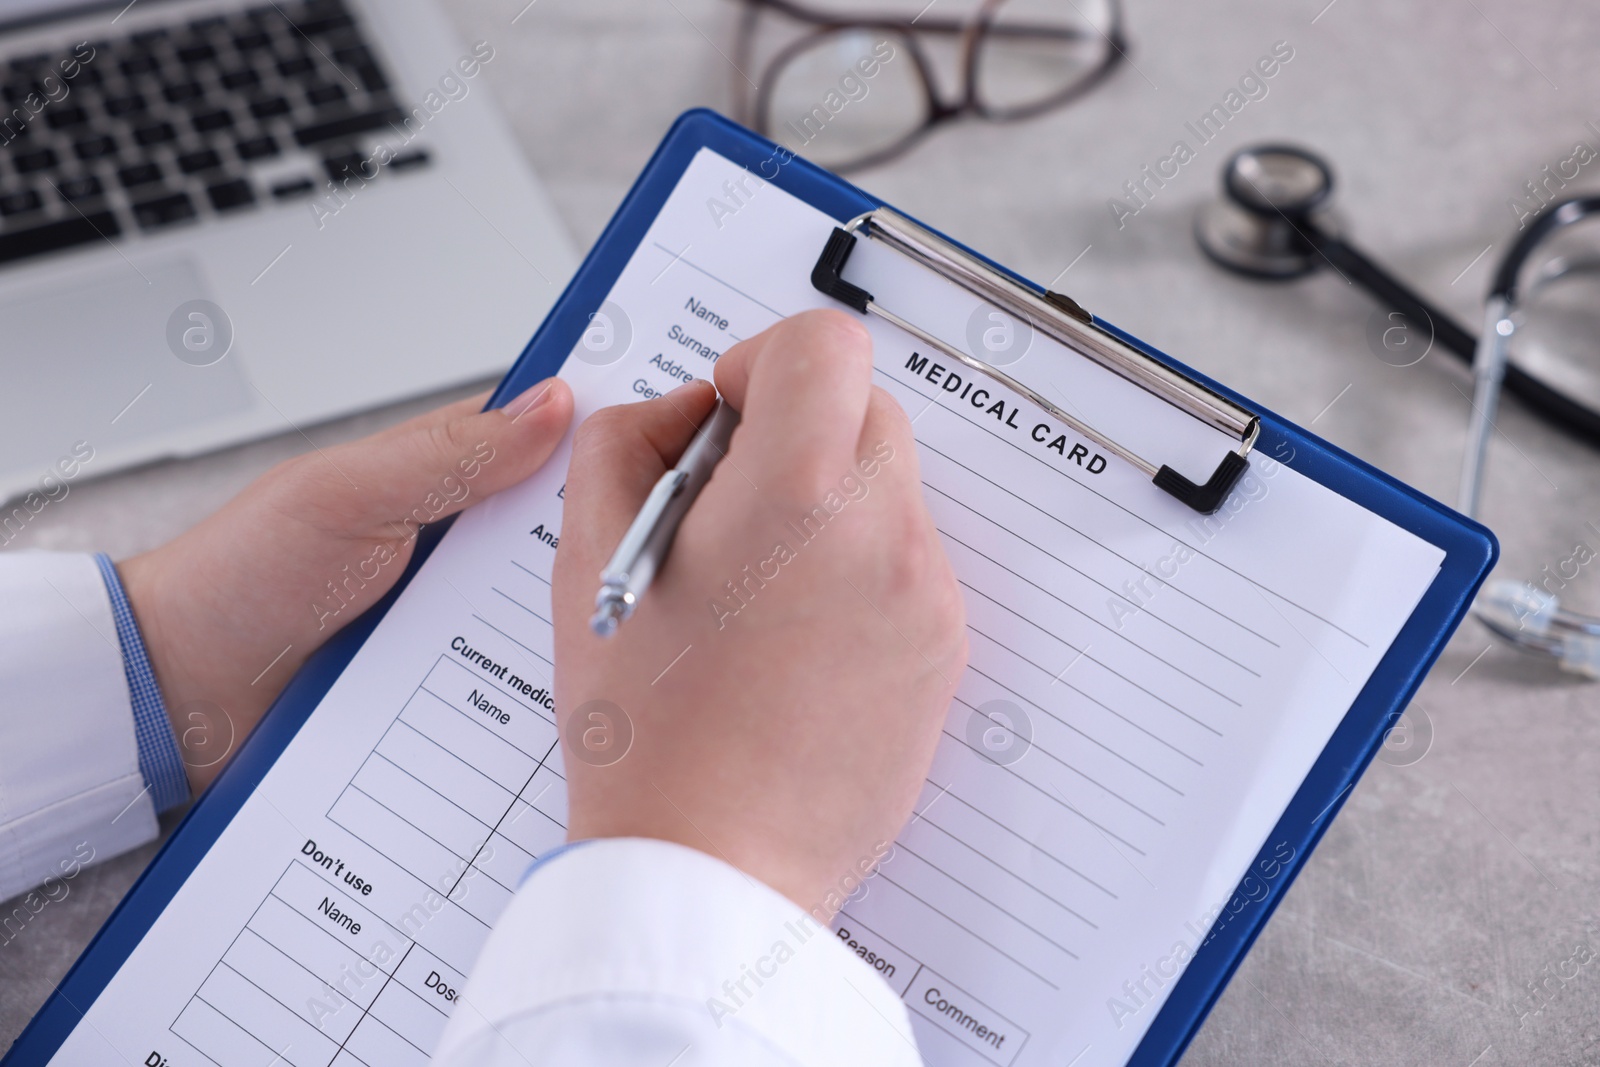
(1060, 318)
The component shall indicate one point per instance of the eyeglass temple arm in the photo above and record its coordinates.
(801, 13)
(837, 20)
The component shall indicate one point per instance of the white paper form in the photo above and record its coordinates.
(1174, 677)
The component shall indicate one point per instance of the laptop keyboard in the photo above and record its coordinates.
(191, 123)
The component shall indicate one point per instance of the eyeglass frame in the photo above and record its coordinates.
(938, 111)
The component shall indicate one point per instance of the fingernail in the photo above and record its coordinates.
(532, 397)
(686, 387)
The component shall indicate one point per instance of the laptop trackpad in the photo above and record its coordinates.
(127, 359)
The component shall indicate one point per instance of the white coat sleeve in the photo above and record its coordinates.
(71, 788)
(628, 952)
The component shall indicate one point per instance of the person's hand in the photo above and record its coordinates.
(786, 676)
(231, 608)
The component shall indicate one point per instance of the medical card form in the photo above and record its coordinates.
(1148, 687)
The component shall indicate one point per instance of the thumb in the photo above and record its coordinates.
(618, 455)
(439, 462)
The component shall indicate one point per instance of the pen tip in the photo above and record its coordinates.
(604, 622)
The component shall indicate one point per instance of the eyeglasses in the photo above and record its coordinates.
(854, 91)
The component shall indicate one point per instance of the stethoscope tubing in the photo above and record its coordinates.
(1572, 416)
(1523, 614)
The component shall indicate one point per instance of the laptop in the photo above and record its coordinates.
(224, 220)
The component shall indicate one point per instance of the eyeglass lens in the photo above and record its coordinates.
(849, 94)
(1034, 51)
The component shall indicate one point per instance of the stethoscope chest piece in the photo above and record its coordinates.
(1275, 198)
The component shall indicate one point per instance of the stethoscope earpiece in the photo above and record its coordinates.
(1274, 202)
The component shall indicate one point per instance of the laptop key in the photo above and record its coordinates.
(263, 147)
(297, 187)
(182, 92)
(252, 41)
(82, 188)
(61, 117)
(139, 174)
(54, 236)
(322, 95)
(97, 146)
(406, 160)
(353, 55)
(155, 133)
(294, 66)
(240, 79)
(140, 63)
(128, 104)
(346, 165)
(314, 26)
(194, 162)
(346, 126)
(208, 121)
(372, 79)
(20, 203)
(360, 59)
(164, 211)
(192, 52)
(23, 64)
(36, 160)
(270, 107)
(231, 195)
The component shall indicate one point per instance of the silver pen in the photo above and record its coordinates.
(644, 547)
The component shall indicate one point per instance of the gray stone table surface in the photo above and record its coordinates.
(1446, 888)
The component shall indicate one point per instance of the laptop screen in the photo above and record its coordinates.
(20, 10)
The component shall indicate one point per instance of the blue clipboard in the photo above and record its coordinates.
(1470, 552)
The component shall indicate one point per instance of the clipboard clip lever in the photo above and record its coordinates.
(1064, 320)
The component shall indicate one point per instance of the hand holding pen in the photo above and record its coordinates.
(804, 667)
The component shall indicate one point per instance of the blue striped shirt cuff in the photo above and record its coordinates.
(159, 760)
(547, 857)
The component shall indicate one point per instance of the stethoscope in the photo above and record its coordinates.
(1273, 222)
